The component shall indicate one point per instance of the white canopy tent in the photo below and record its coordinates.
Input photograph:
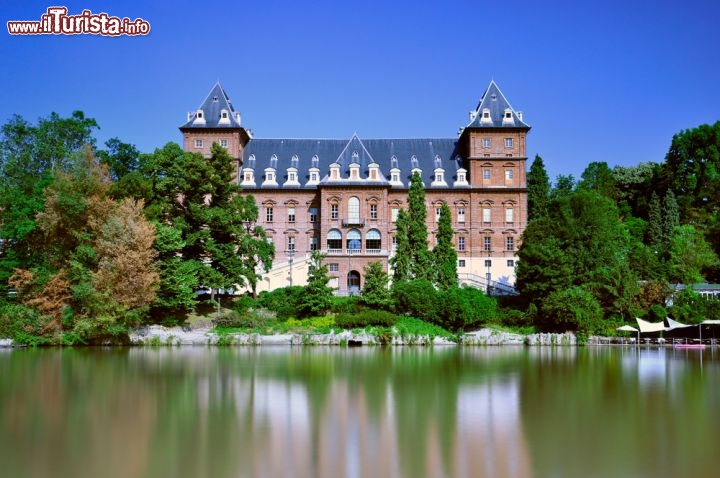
(630, 328)
(646, 326)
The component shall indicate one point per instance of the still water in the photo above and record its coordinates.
(359, 412)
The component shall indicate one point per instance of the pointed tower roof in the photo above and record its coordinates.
(495, 111)
(216, 111)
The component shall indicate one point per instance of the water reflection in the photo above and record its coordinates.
(328, 412)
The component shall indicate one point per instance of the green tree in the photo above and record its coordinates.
(420, 259)
(581, 242)
(375, 291)
(120, 158)
(690, 254)
(538, 189)
(29, 155)
(574, 308)
(670, 217)
(444, 253)
(214, 224)
(317, 295)
(654, 232)
(599, 177)
(564, 185)
(400, 261)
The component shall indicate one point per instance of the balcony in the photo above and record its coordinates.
(353, 222)
(356, 252)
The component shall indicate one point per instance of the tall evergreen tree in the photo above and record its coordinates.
(538, 189)
(400, 262)
(654, 232)
(420, 260)
(444, 253)
(375, 292)
(670, 217)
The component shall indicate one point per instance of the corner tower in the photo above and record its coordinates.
(493, 143)
(215, 121)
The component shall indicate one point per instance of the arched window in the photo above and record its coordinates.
(372, 240)
(334, 240)
(354, 241)
(354, 210)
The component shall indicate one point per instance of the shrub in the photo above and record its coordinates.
(243, 303)
(365, 318)
(416, 298)
(574, 308)
(464, 308)
(244, 320)
(284, 302)
(347, 305)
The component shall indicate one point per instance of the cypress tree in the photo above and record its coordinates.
(655, 223)
(538, 189)
(420, 261)
(400, 262)
(671, 216)
(444, 254)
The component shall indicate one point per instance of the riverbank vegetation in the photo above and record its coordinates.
(97, 240)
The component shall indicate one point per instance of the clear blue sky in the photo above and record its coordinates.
(604, 81)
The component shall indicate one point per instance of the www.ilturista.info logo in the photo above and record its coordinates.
(57, 22)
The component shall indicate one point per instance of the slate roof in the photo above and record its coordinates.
(496, 103)
(303, 154)
(213, 105)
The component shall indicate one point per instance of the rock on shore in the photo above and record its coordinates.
(159, 335)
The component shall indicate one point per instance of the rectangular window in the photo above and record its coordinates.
(509, 214)
(486, 174)
(508, 142)
(395, 212)
(461, 214)
(486, 142)
(334, 212)
(198, 143)
(510, 243)
(313, 214)
(394, 243)
(486, 214)
(333, 267)
(269, 214)
(224, 143)
(373, 211)
(511, 263)
(487, 243)
(437, 214)
(291, 214)
(291, 243)
(461, 262)
(488, 263)
(461, 243)
(508, 175)
(313, 243)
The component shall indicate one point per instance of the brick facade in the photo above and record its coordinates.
(312, 192)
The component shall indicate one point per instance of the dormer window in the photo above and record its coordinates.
(248, 177)
(354, 172)
(292, 177)
(224, 115)
(314, 176)
(199, 117)
(508, 117)
(439, 177)
(461, 177)
(334, 172)
(373, 172)
(486, 116)
(270, 177)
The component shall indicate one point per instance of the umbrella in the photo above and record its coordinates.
(629, 328)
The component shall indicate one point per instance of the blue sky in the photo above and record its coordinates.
(603, 81)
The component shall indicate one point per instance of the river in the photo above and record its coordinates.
(359, 412)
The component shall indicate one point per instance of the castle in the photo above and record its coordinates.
(342, 196)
